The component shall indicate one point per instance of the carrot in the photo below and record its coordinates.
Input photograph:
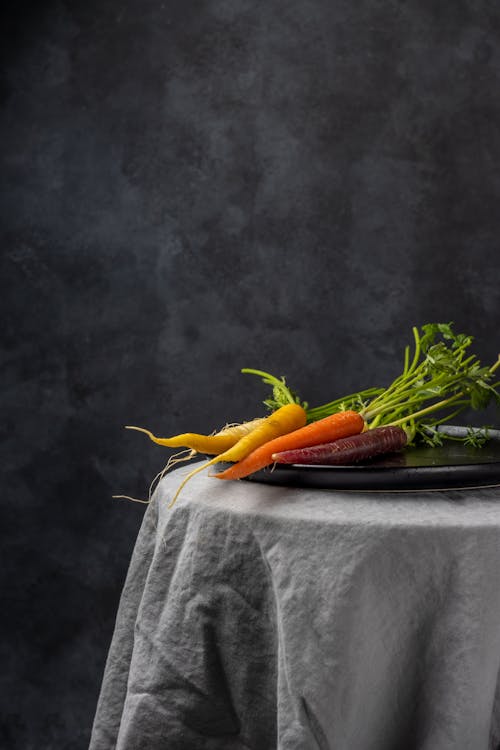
(287, 419)
(341, 424)
(210, 444)
(347, 450)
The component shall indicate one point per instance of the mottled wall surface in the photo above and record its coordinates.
(188, 189)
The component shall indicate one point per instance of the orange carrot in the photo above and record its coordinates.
(287, 419)
(339, 425)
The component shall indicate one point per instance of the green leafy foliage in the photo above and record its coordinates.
(440, 374)
(476, 438)
(431, 437)
(282, 394)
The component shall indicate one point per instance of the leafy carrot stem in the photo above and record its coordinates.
(438, 371)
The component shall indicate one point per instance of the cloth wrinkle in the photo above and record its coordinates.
(170, 668)
(316, 728)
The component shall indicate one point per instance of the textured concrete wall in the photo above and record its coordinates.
(188, 189)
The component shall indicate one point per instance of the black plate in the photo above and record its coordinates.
(453, 465)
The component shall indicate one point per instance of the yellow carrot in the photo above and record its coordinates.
(286, 419)
(212, 445)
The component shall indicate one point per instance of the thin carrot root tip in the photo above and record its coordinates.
(180, 457)
(188, 477)
(132, 499)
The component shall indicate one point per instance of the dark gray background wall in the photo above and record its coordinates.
(188, 189)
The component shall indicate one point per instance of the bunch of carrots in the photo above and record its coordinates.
(441, 375)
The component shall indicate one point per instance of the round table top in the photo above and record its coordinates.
(453, 507)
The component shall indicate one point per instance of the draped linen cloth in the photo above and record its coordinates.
(273, 618)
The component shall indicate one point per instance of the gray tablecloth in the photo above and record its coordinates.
(263, 617)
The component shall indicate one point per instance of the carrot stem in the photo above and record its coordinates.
(428, 409)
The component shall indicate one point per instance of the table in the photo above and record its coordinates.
(265, 617)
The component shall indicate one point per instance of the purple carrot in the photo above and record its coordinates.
(348, 450)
